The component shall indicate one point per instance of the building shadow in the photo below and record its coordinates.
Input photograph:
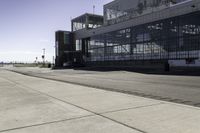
(152, 71)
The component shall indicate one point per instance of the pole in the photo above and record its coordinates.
(93, 9)
(36, 61)
(43, 56)
(53, 61)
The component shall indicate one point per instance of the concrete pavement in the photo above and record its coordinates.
(29, 105)
(179, 89)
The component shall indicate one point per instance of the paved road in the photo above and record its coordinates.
(34, 105)
(180, 89)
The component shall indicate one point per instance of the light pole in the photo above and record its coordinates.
(93, 9)
(53, 63)
(36, 61)
(43, 56)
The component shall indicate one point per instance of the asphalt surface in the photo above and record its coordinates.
(179, 89)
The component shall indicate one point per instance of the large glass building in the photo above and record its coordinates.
(134, 31)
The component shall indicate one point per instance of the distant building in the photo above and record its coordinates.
(140, 32)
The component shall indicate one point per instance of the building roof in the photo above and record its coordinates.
(86, 14)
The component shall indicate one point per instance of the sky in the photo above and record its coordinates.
(28, 26)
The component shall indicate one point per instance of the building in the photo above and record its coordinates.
(144, 32)
(65, 49)
(63, 46)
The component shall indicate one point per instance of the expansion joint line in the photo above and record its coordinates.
(98, 114)
(46, 123)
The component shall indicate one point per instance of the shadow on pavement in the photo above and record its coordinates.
(173, 71)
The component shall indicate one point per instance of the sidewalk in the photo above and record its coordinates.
(100, 111)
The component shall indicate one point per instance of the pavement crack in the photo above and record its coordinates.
(138, 107)
(46, 123)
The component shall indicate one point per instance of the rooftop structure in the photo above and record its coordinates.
(87, 21)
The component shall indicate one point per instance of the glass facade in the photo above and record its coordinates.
(173, 38)
(87, 21)
(120, 11)
(66, 38)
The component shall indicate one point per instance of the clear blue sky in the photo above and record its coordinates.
(28, 26)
